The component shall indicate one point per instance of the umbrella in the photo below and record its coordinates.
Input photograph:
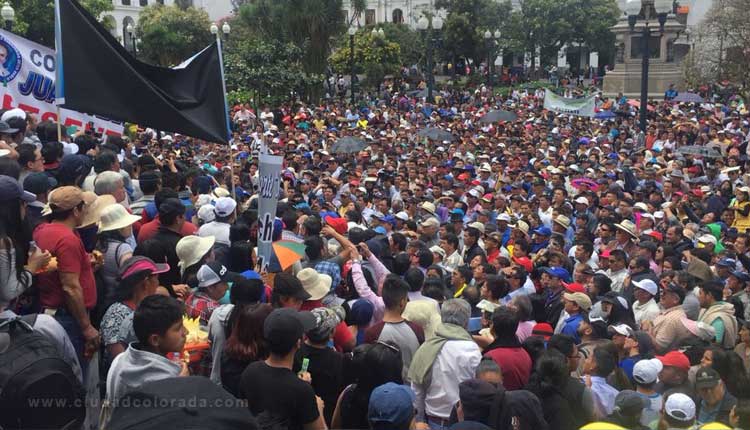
(420, 94)
(498, 115)
(285, 253)
(434, 133)
(584, 183)
(688, 98)
(637, 104)
(605, 114)
(348, 145)
(698, 150)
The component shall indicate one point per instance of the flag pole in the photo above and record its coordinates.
(226, 115)
(59, 124)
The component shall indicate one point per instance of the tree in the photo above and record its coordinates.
(591, 22)
(311, 25)
(35, 19)
(541, 24)
(373, 57)
(266, 71)
(466, 23)
(170, 35)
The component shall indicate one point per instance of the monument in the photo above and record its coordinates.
(663, 69)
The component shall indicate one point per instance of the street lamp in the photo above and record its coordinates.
(490, 39)
(225, 28)
(632, 8)
(427, 25)
(378, 33)
(9, 15)
(352, 32)
(131, 33)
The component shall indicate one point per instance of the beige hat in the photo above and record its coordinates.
(220, 192)
(563, 221)
(115, 217)
(66, 198)
(428, 207)
(92, 212)
(628, 227)
(476, 225)
(191, 249)
(581, 299)
(438, 250)
(430, 222)
(523, 226)
(317, 285)
(641, 206)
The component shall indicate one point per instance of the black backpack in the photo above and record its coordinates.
(38, 389)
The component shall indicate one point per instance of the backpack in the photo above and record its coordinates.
(38, 389)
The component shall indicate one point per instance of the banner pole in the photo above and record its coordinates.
(59, 124)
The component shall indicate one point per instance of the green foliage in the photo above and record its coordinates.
(412, 43)
(264, 71)
(311, 25)
(35, 19)
(466, 23)
(373, 57)
(170, 34)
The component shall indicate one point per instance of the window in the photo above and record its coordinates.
(654, 47)
(398, 16)
(370, 17)
(126, 2)
(346, 16)
(143, 3)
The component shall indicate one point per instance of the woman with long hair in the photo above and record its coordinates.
(245, 343)
(18, 263)
(373, 365)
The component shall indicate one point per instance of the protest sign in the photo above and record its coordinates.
(580, 107)
(27, 74)
(269, 180)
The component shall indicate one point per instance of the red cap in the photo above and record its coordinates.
(475, 182)
(525, 262)
(354, 182)
(697, 192)
(542, 329)
(656, 235)
(463, 176)
(487, 197)
(675, 359)
(575, 287)
(338, 224)
(604, 254)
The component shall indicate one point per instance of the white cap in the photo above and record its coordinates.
(477, 225)
(647, 285)
(13, 113)
(582, 200)
(224, 206)
(206, 213)
(659, 214)
(707, 238)
(642, 206)
(403, 216)
(437, 250)
(622, 329)
(680, 407)
(503, 217)
(647, 371)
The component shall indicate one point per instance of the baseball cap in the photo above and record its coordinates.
(214, 272)
(647, 285)
(742, 276)
(285, 326)
(10, 189)
(503, 217)
(403, 216)
(288, 285)
(542, 231)
(542, 329)
(621, 329)
(39, 183)
(647, 371)
(706, 377)
(727, 262)
(581, 299)
(326, 320)
(574, 287)
(557, 272)
(338, 224)
(437, 250)
(138, 264)
(707, 238)
(582, 200)
(629, 403)
(675, 359)
(680, 407)
(390, 406)
(224, 206)
(477, 226)
(66, 198)
(525, 262)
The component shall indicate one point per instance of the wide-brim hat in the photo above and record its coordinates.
(628, 227)
(92, 212)
(116, 217)
(317, 285)
(190, 250)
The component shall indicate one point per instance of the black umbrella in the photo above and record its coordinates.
(435, 133)
(698, 150)
(498, 115)
(348, 145)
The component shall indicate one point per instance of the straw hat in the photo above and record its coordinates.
(115, 217)
(190, 250)
(317, 285)
(563, 221)
(92, 212)
(628, 227)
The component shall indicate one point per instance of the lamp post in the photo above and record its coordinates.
(225, 29)
(131, 33)
(427, 25)
(8, 14)
(632, 8)
(352, 32)
(491, 39)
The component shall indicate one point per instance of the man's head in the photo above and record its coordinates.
(462, 275)
(675, 368)
(288, 291)
(504, 323)
(111, 183)
(709, 385)
(390, 407)
(456, 312)
(213, 278)
(395, 293)
(157, 324)
(283, 330)
(600, 363)
(709, 293)
(68, 203)
(672, 295)
(475, 400)
(172, 213)
(679, 411)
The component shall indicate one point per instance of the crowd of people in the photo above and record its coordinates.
(550, 272)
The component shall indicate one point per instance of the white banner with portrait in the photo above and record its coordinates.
(580, 107)
(27, 81)
(269, 180)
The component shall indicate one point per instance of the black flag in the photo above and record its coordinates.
(97, 75)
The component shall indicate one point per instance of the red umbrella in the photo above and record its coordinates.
(584, 183)
(637, 104)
